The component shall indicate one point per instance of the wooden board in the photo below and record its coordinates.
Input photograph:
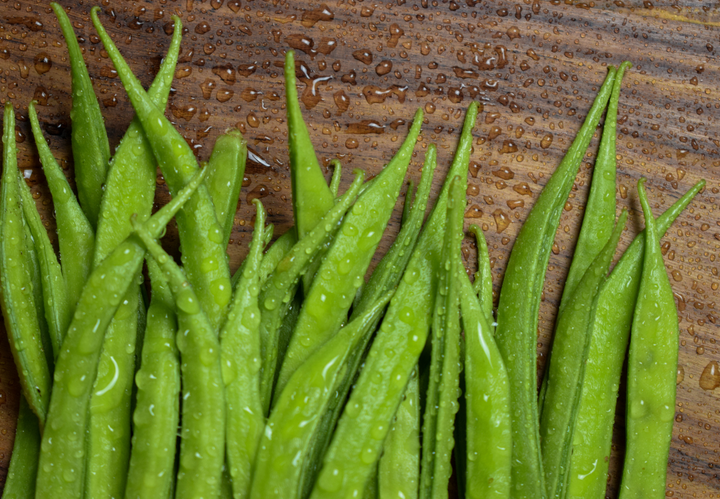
(534, 65)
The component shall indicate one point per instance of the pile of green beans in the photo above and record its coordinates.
(295, 378)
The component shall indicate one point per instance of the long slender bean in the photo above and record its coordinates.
(482, 284)
(336, 177)
(408, 203)
(652, 372)
(356, 444)
(519, 303)
(20, 481)
(91, 150)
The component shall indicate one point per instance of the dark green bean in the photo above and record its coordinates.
(482, 284)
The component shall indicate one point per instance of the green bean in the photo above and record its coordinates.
(202, 438)
(20, 481)
(408, 203)
(652, 372)
(240, 360)
(285, 459)
(227, 170)
(17, 299)
(201, 237)
(343, 267)
(519, 303)
(610, 329)
(76, 237)
(63, 452)
(399, 467)
(441, 403)
(565, 372)
(336, 177)
(356, 444)
(487, 393)
(155, 421)
(54, 290)
(482, 285)
(597, 225)
(280, 287)
(91, 151)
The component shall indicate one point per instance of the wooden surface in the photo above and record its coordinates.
(535, 66)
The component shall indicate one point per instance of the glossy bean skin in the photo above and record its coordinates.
(408, 203)
(652, 372)
(519, 302)
(279, 289)
(129, 191)
(441, 401)
(272, 257)
(336, 177)
(202, 437)
(399, 467)
(284, 463)
(240, 360)
(22, 472)
(76, 237)
(482, 284)
(227, 169)
(63, 454)
(343, 267)
(54, 291)
(566, 368)
(91, 150)
(357, 442)
(151, 472)
(24, 326)
(203, 254)
(610, 330)
(487, 393)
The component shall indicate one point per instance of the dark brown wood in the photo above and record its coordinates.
(535, 66)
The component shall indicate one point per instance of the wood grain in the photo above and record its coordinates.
(535, 66)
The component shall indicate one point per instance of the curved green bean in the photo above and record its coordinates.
(356, 444)
(344, 265)
(280, 287)
(441, 401)
(63, 452)
(202, 437)
(20, 480)
(155, 420)
(336, 177)
(566, 368)
(652, 372)
(240, 360)
(227, 170)
(519, 303)
(201, 237)
(17, 299)
(482, 285)
(91, 151)
(285, 459)
(610, 329)
(76, 237)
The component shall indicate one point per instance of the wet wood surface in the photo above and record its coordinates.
(367, 66)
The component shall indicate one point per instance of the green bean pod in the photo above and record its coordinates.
(336, 177)
(357, 442)
(408, 203)
(482, 285)
(519, 304)
(54, 290)
(151, 472)
(91, 150)
(566, 368)
(201, 237)
(399, 466)
(610, 330)
(279, 289)
(240, 360)
(24, 326)
(487, 392)
(285, 458)
(202, 437)
(63, 452)
(22, 472)
(344, 265)
(441, 401)
(76, 236)
(227, 170)
(652, 372)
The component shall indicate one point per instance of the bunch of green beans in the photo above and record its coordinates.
(338, 387)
